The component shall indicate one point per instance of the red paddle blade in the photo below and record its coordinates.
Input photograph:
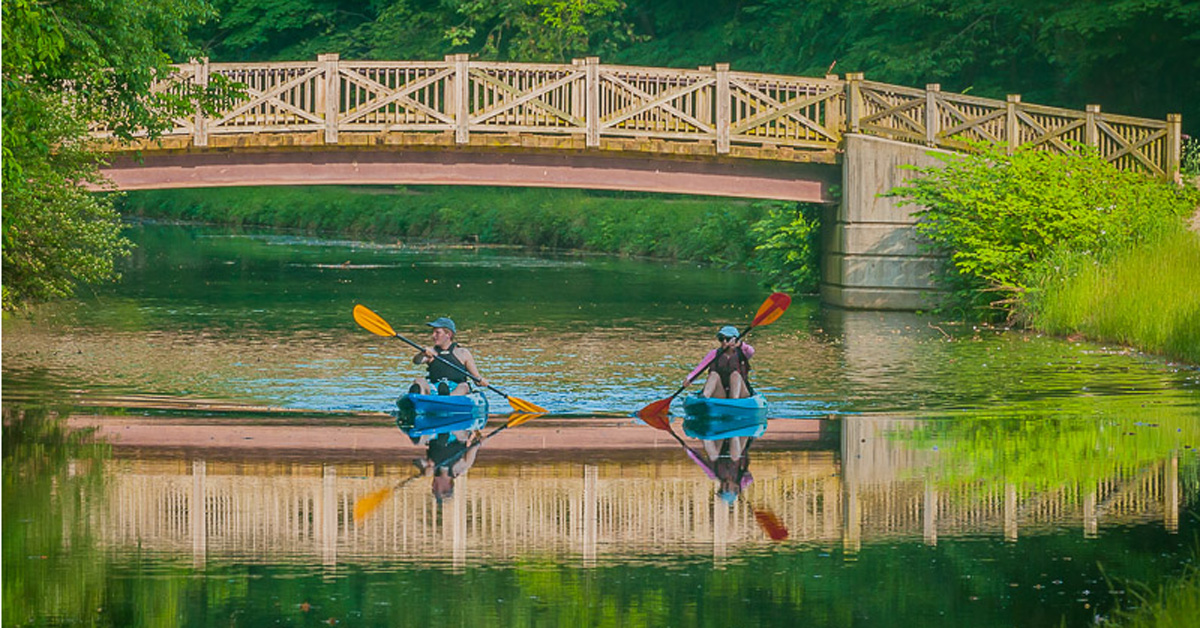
(655, 415)
(771, 525)
(657, 412)
(771, 309)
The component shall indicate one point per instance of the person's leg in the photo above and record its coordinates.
(712, 387)
(737, 386)
(712, 448)
(737, 444)
(461, 389)
(421, 385)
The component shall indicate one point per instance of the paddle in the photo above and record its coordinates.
(765, 518)
(768, 313)
(375, 324)
(369, 503)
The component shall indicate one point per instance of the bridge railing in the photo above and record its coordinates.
(709, 110)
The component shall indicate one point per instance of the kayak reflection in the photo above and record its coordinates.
(726, 439)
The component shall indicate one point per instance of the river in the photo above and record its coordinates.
(925, 471)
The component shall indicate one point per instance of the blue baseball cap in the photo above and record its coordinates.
(729, 331)
(444, 323)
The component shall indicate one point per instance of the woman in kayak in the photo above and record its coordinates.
(447, 379)
(728, 367)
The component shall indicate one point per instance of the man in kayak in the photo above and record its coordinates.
(728, 367)
(442, 376)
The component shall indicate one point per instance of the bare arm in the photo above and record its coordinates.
(468, 361)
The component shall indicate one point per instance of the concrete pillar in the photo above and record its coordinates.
(870, 258)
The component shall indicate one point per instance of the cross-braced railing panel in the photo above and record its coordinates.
(1133, 144)
(382, 96)
(279, 97)
(892, 111)
(527, 98)
(648, 102)
(786, 111)
(960, 120)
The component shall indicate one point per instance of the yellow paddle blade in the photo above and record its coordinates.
(368, 503)
(520, 405)
(771, 309)
(372, 322)
(518, 418)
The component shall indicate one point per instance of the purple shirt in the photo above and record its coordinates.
(747, 350)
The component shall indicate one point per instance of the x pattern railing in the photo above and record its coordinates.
(592, 102)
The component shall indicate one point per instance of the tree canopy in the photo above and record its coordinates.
(70, 66)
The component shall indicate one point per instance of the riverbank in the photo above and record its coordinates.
(731, 233)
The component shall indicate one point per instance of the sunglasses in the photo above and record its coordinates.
(725, 338)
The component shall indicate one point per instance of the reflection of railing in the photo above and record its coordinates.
(710, 110)
(586, 511)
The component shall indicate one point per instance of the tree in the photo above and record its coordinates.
(70, 66)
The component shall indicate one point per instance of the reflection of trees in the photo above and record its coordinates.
(50, 476)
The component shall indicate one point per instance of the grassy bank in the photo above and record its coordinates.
(730, 232)
(1147, 297)
(1175, 605)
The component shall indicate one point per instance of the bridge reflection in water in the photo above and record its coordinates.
(873, 488)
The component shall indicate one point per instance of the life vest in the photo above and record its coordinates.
(439, 370)
(727, 362)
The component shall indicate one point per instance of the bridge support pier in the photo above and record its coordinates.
(870, 259)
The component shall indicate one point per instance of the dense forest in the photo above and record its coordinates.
(1135, 57)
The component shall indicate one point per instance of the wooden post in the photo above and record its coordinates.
(1174, 152)
(1090, 136)
(579, 93)
(854, 104)
(332, 95)
(931, 113)
(833, 114)
(200, 123)
(724, 121)
(462, 103)
(1011, 134)
(593, 102)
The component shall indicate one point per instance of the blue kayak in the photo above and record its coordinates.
(754, 405)
(470, 403)
(437, 414)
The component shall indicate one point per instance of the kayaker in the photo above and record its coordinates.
(728, 367)
(442, 376)
(447, 457)
(729, 463)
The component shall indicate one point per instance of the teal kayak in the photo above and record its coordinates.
(720, 426)
(695, 405)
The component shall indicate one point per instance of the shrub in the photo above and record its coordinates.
(788, 246)
(998, 217)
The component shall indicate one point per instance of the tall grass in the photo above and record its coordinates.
(1175, 605)
(1147, 296)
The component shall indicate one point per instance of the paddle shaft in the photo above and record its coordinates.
(453, 366)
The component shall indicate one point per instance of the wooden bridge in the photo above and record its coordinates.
(589, 125)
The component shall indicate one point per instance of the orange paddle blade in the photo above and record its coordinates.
(771, 309)
(771, 525)
(655, 414)
(372, 322)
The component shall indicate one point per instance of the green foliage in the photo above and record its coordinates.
(788, 253)
(1147, 296)
(999, 217)
(703, 229)
(66, 63)
(1190, 162)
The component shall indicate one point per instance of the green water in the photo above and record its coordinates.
(959, 476)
